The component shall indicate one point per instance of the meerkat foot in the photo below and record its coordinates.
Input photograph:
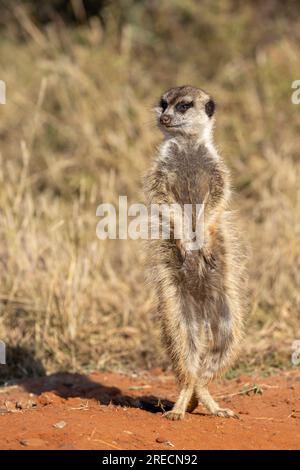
(225, 413)
(183, 400)
(212, 406)
(174, 415)
(194, 402)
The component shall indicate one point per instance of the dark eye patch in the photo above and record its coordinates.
(183, 106)
(163, 104)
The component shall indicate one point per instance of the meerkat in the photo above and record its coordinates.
(198, 291)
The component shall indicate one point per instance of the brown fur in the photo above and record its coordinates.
(198, 292)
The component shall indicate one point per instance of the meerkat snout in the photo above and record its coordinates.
(165, 119)
(185, 110)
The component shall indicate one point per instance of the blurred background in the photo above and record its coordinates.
(78, 129)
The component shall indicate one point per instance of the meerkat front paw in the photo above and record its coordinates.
(225, 413)
(173, 415)
(210, 260)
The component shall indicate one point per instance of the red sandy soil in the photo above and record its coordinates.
(115, 411)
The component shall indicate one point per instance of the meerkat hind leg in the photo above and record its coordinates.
(207, 400)
(181, 404)
(194, 402)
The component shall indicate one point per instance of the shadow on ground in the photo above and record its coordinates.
(24, 369)
(68, 385)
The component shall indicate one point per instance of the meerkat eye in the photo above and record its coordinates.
(163, 104)
(183, 106)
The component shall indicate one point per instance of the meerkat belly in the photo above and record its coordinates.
(189, 187)
(200, 278)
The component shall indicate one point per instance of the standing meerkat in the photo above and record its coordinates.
(198, 290)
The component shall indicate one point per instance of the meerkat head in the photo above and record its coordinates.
(187, 111)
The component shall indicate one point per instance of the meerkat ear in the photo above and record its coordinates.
(210, 108)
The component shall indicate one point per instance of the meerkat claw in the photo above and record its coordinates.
(225, 413)
(173, 415)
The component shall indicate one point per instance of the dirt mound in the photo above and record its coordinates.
(114, 411)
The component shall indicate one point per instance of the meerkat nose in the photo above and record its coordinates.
(165, 119)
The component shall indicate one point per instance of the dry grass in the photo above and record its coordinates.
(77, 130)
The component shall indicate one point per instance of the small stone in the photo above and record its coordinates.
(33, 442)
(59, 424)
(163, 440)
